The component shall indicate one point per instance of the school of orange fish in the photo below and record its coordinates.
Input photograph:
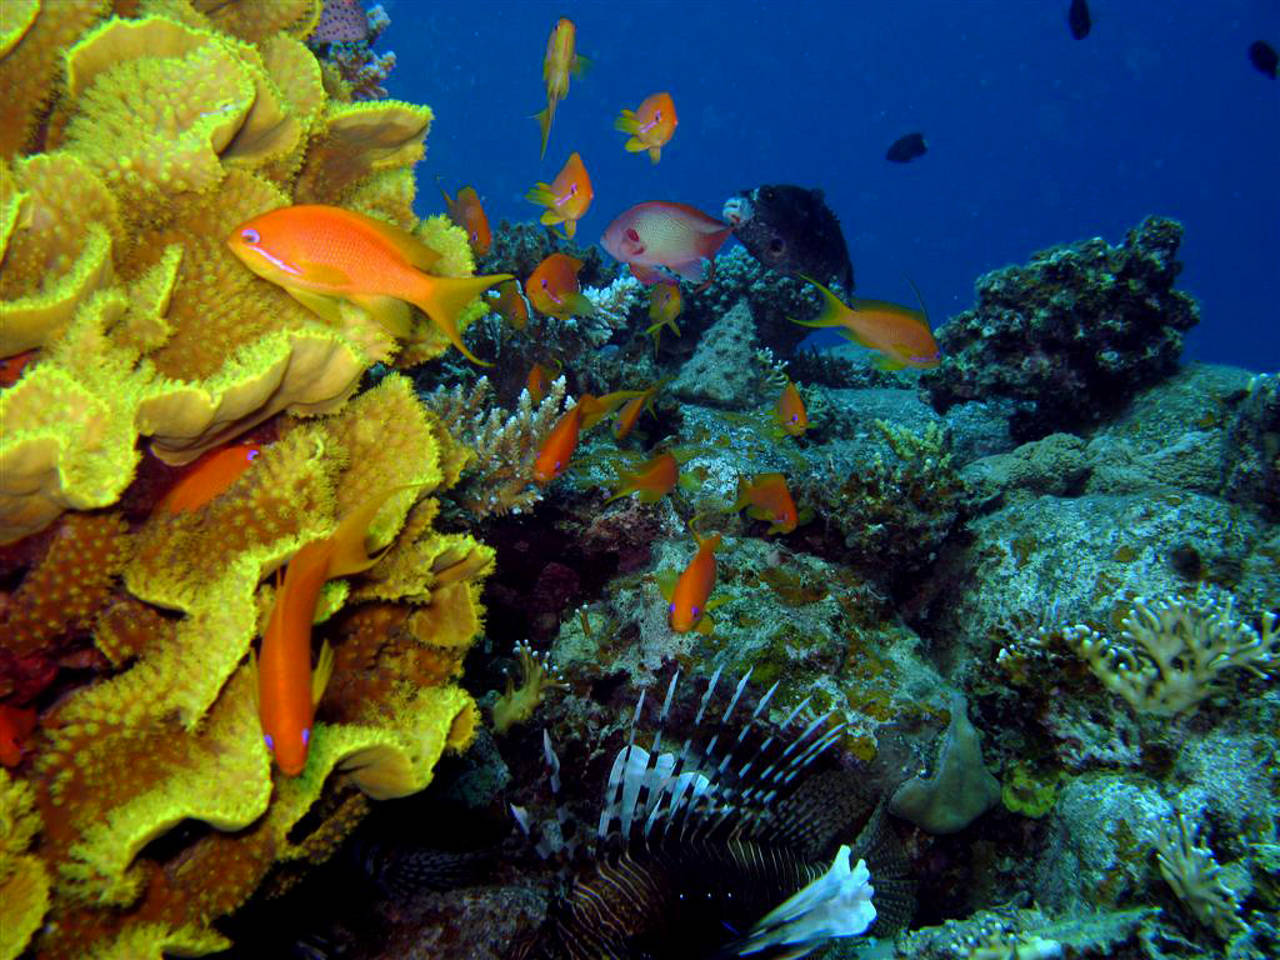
(326, 256)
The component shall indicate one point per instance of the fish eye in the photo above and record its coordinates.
(271, 744)
(250, 236)
(694, 611)
(306, 736)
(253, 454)
(671, 608)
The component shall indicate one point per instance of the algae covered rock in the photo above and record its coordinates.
(1072, 335)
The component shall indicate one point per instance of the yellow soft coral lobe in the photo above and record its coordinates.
(30, 66)
(24, 882)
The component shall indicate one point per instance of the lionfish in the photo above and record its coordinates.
(728, 847)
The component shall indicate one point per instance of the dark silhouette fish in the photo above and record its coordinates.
(1263, 56)
(1078, 19)
(905, 149)
(791, 230)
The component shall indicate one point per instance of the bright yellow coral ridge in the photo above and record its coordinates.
(130, 148)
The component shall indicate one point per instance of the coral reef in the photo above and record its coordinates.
(1072, 335)
(148, 780)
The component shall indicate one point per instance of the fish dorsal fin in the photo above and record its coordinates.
(417, 253)
(321, 674)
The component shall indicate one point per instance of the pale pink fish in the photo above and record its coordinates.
(671, 235)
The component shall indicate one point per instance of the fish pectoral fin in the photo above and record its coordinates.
(327, 308)
(394, 316)
(635, 145)
(883, 361)
(253, 679)
(666, 581)
(321, 674)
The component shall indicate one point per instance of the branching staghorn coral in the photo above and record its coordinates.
(505, 445)
(1173, 653)
(1196, 878)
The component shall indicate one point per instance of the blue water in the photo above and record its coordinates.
(1035, 138)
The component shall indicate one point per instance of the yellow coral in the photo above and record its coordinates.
(24, 883)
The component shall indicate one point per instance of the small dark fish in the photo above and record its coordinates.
(1079, 20)
(1263, 56)
(791, 230)
(905, 149)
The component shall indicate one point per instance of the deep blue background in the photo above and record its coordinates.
(1035, 138)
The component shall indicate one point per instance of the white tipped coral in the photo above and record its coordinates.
(1173, 653)
(1196, 878)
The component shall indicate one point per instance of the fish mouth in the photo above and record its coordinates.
(737, 211)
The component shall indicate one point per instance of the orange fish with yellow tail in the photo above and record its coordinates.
(211, 476)
(767, 498)
(790, 414)
(323, 256)
(466, 211)
(561, 61)
(553, 288)
(690, 598)
(652, 480)
(510, 303)
(540, 378)
(566, 198)
(665, 304)
(900, 335)
(630, 412)
(288, 689)
(651, 125)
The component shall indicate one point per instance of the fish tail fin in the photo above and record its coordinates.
(655, 154)
(627, 123)
(544, 117)
(541, 195)
(444, 298)
(321, 674)
(347, 553)
(832, 308)
(579, 305)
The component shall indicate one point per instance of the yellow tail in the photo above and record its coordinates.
(444, 298)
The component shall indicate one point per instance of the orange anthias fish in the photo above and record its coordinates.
(466, 211)
(540, 379)
(16, 724)
(288, 691)
(767, 498)
(11, 367)
(630, 412)
(511, 304)
(323, 256)
(900, 334)
(210, 477)
(557, 449)
(562, 60)
(791, 414)
(651, 125)
(553, 288)
(653, 479)
(566, 198)
(665, 304)
(671, 235)
(689, 600)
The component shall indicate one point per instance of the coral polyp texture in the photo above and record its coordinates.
(130, 148)
(1072, 335)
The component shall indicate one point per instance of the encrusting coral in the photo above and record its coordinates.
(131, 147)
